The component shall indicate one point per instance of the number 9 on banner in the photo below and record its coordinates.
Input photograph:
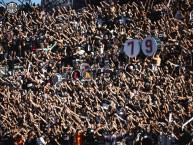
(149, 46)
(132, 47)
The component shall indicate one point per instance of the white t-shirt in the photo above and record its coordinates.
(101, 50)
(138, 137)
(114, 137)
(40, 141)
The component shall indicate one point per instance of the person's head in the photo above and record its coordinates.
(78, 131)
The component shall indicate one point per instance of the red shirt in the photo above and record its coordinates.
(79, 137)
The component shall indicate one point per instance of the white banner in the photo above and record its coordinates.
(149, 46)
(169, 3)
(170, 117)
(132, 47)
(186, 123)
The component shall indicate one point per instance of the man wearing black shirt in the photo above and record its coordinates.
(147, 139)
(88, 47)
(89, 139)
(8, 141)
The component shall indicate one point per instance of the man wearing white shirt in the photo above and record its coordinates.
(40, 141)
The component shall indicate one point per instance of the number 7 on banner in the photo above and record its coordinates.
(132, 47)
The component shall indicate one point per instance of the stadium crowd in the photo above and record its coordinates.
(146, 104)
